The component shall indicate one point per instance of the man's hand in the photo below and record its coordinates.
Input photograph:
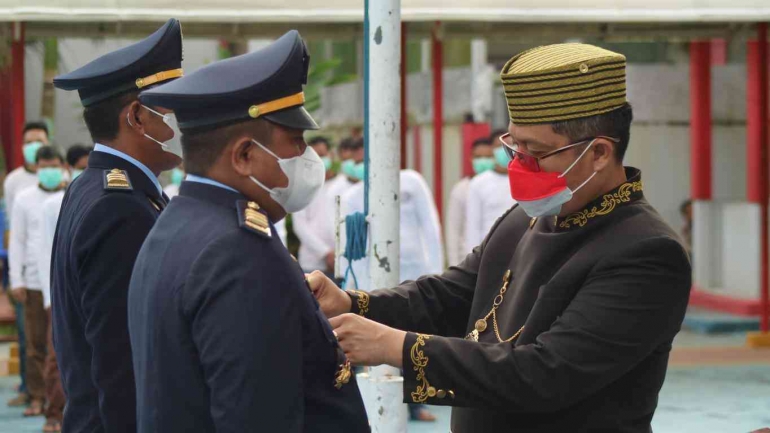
(19, 294)
(366, 342)
(330, 261)
(332, 299)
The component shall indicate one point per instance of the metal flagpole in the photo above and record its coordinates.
(382, 387)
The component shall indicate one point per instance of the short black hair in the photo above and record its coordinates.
(29, 126)
(201, 148)
(103, 118)
(75, 152)
(352, 143)
(481, 142)
(47, 153)
(615, 124)
(315, 141)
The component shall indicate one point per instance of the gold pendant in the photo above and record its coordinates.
(343, 375)
(481, 325)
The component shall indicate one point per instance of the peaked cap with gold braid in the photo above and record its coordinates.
(153, 60)
(265, 84)
(563, 82)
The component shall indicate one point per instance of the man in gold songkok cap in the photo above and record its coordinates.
(562, 319)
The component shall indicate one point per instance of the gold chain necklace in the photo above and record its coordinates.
(481, 324)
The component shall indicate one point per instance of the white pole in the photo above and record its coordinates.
(383, 392)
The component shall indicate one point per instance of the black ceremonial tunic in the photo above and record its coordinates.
(226, 335)
(600, 295)
(98, 236)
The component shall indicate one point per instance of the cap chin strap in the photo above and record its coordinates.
(256, 111)
(158, 77)
(139, 83)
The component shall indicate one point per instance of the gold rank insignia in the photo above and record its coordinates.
(343, 374)
(117, 180)
(253, 219)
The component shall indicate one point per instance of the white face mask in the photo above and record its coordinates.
(173, 144)
(306, 174)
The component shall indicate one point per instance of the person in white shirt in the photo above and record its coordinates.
(314, 225)
(485, 202)
(35, 136)
(177, 176)
(420, 230)
(349, 150)
(421, 250)
(76, 162)
(26, 286)
(483, 161)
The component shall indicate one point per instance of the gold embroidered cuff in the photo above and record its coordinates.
(419, 362)
(360, 302)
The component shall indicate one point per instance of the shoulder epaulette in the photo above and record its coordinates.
(253, 219)
(117, 180)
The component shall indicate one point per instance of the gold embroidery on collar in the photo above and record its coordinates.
(363, 301)
(609, 202)
(420, 361)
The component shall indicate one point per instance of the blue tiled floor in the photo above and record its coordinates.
(694, 399)
(11, 419)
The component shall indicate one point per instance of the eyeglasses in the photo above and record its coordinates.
(531, 162)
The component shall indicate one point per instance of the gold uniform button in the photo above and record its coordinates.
(431, 391)
(451, 394)
(254, 111)
(583, 68)
(441, 393)
(532, 222)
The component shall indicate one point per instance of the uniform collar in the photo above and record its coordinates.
(628, 192)
(140, 179)
(207, 181)
(211, 193)
(106, 149)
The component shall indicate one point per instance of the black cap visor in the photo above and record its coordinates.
(293, 117)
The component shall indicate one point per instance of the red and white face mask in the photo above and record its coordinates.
(542, 193)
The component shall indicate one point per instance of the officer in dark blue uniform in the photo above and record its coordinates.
(106, 214)
(226, 335)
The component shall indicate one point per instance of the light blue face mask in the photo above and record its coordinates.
(75, 173)
(481, 165)
(501, 157)
(177, 176)
(352, 169)
(50, 177)
(30, 151)
(327, 162)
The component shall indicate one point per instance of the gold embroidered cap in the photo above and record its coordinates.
(562, 82)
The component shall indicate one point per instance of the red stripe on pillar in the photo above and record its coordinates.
(17, 94)
(438, 117)
(762, 111)
(5, 115)
(756, 152)
(700, 120)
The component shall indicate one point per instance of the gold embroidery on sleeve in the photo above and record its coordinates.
(420, 361)
(363, 301)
